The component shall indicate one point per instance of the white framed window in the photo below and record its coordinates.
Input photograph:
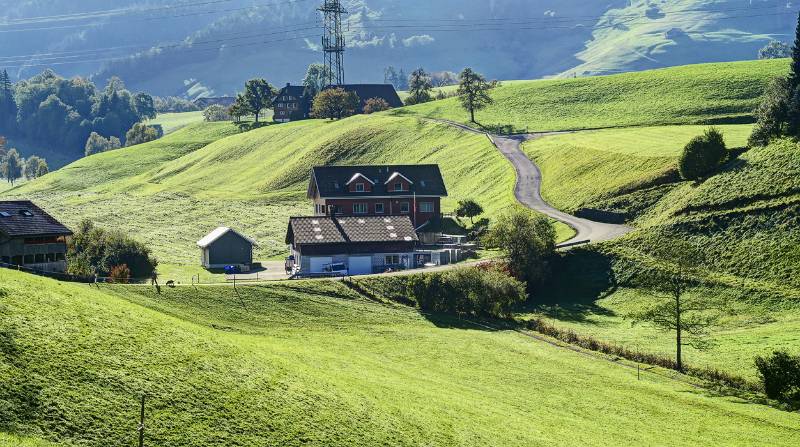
(360, 208)
(398, 186)
(392, 259)
(426, 207)
(359, 187)
(404, 208)
(379, 208)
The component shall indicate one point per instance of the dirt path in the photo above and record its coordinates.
(529, 188)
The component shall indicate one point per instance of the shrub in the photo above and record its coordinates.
(98, 251)
(528, 241)
(374, 105)
(467, 291)
(780, 376)
(216, 113)
(703, 155)
(140, 133)
(97, 144)
(120, 274)
(335, 103)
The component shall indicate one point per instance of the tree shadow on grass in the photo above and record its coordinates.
(580, 278)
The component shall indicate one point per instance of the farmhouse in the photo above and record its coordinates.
(414, 191)
(363, 245)
(223, 247)
(32, 238)
(291, 104)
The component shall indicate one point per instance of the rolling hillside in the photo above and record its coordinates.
(171, 192)
(303, 364)
(694, 94)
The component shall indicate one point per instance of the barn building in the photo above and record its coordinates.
(31, 238)
(225, 246)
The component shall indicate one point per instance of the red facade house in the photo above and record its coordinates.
(400, 190)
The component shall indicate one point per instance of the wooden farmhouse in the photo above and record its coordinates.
(29, 237)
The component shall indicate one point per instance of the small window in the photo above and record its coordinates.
(404, 208)
(26, 213)
(4, 214)
(378, 208)
(426, 207)
(359, 187)
(360, 208)
(392, 259)
(398, 186)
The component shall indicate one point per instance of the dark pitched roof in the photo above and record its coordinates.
(23, 218)
(290, 90)
(331, 181)
(368, 91)
(343, 230)
(445, 225)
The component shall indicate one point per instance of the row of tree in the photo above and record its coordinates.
(63, 113)
(401, 81)
(13, 166)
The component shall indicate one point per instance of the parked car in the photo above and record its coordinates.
(232, 269)
(336, 269)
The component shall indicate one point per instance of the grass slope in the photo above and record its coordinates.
(171, 122)
(693, 94)
(171, 192)
(745, 222)
(314, 364)
(580, 168)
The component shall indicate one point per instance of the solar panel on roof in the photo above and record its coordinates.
(4, 214)
(26, 213)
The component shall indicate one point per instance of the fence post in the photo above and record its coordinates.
(638, 374)
(141, 424)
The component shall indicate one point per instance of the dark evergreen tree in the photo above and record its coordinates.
(794, 75)
(8, 105)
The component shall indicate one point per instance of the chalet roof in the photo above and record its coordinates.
(426, 180)
(343, 230)
(21, 218)
(210, 238)
(368, 91)
(290, 90)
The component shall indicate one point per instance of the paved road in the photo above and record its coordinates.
(529, 188)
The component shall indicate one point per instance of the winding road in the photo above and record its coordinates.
(529, 188)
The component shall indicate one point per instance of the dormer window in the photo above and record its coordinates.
(398, 186)
(359, 187)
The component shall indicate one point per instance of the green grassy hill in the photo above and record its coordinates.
(316, 364)
(693, 94)
(171, 192)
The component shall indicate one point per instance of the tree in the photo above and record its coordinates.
(675, 310)
(775, 50)
(469, 208)
(3, 152)
(140, 133)
(43, 168)
(528, 241)
(419, 87)
(317, 78)
(97, 144)
(335, 103)
(12, 166)
(444, 78)
(780, 376)
(8, 104)
(94, 250)
(33, 167)
(473, 92)
(773, 113)
(215, 113)
(258, 95)
(374, 105)
(703, 155)
(390, 76)
(402, 80)
(144, 105)
(238, 109)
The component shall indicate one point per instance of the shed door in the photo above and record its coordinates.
(360, 265)
(317, 264)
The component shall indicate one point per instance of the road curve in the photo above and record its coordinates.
(528, 190)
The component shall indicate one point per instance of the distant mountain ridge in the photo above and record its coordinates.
(211, 48)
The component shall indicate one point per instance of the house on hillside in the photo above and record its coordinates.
(31, 238)
(414, 191)
(363, 245)
(291, 104)
(225, 246)
(224, 101)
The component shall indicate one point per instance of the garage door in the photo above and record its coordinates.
(360, 265)
(317, 264)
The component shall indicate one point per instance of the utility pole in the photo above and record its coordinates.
(333, 40)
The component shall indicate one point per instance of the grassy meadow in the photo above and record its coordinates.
(317, 364)
(171, 122)
(171, 192)
(692, 94)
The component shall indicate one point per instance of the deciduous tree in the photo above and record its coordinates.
(473, 92)
(335, 103)
(11, 167)
(527, 240)
(33, 166)
(140, 133)
(775, 50)
(470, 209)
(258, 95)
(317, 78)
(702, 155)
(374, 105)
(419, 87)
